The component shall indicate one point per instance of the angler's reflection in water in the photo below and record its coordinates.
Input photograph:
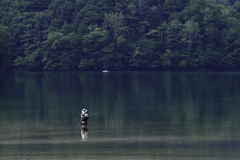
(84, 132)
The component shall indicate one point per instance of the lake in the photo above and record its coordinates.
(133, 115)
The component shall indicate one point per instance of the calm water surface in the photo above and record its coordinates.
(133, 115)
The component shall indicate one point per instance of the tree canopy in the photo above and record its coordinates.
(120, 35)
(4, 48)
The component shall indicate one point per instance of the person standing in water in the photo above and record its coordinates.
(84, 117)
(84, 129)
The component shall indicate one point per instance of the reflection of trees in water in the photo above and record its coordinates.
(4, 94)
(148, 112)
(180, 99)
(128, 98)
(4, 97)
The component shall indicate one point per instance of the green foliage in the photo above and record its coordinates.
(120, 35)
(4, 46)
(167, 58)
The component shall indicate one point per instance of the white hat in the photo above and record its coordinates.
(84, 111)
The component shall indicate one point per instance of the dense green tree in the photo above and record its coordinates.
(57, 48)
(190, 33)
(173, 38)
(4, 46)
(122, 35)
(97, 49)
(190, 37)
(115, 21)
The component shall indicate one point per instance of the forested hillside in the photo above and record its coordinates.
(120, 34)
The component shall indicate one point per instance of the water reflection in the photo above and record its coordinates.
(84, 132)
(151, 114)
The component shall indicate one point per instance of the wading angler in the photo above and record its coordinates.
(84, 117)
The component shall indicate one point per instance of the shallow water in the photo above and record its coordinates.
(133, 115)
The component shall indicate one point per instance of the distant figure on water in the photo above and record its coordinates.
(83, 126)
(84, 117)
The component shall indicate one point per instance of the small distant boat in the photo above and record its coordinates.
(105, 71)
